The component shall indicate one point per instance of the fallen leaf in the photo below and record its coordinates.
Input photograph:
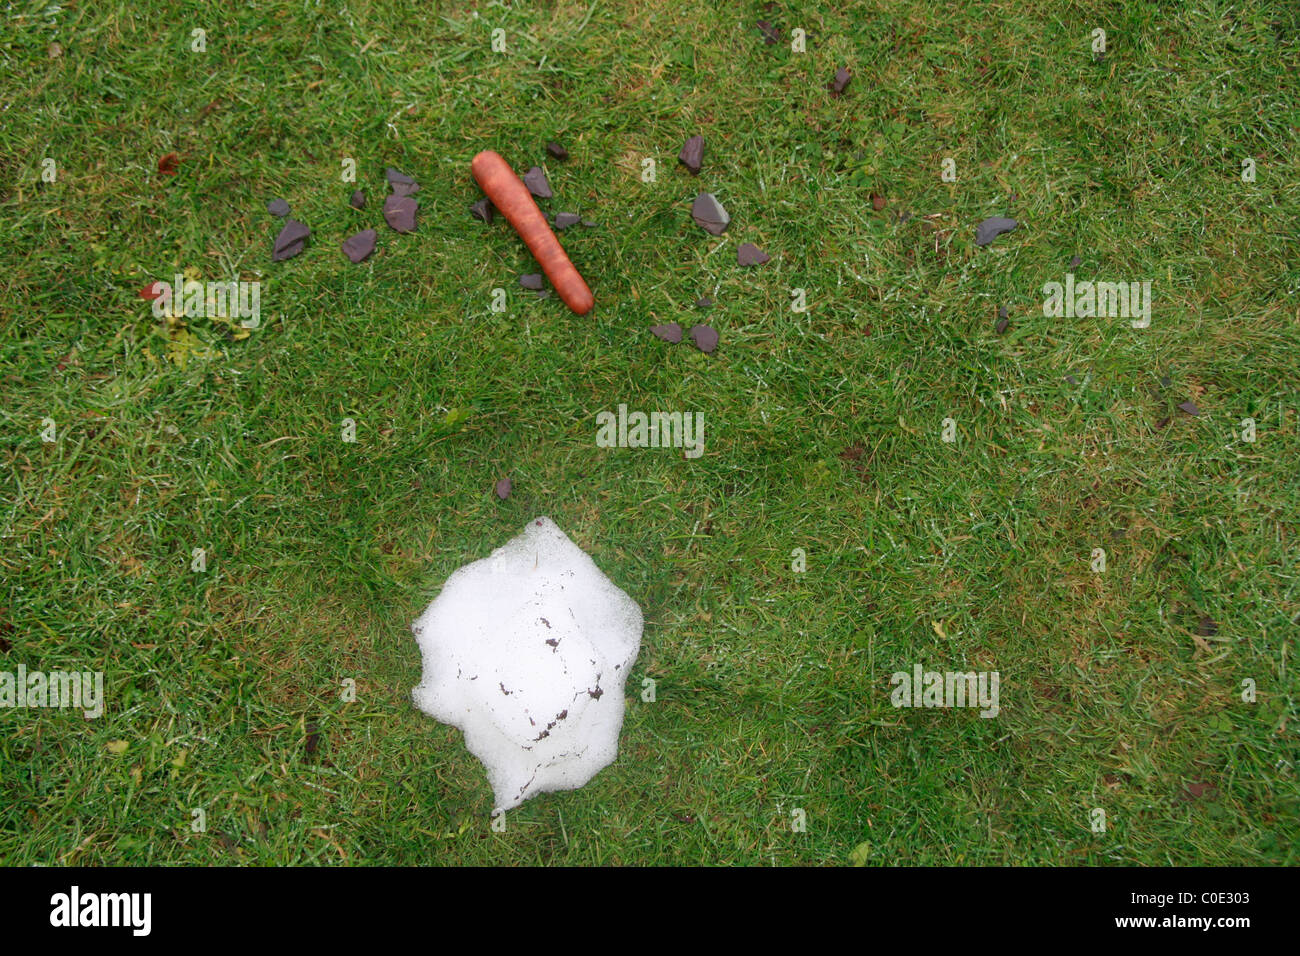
(770, 33)
(167, 165)
(117, 747)
(877, 202)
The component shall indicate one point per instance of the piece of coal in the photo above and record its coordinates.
(589, 224)
(532, 281)
(405, 189)
(483, 209)
(1075, 263)
(358, 200)
(692, 154)
(535, 180)
(841, 81)
(399, 213)
(358, 247)
(557, 151)
(1189, 407)
(1002, 325)
(291, 240)
(750, 255)
(1002, 312)
(563, 220)
(703, 303)
(503, 488)
(770, 33)
(278, 208)
(1207, 626)
(705, 338)
(544, 294)
(1072, 380)
(991, 228)
(394, 177)
(709, 214)
(877, 202)
(1166, 381)
(672, 332)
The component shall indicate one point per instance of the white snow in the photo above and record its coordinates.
(526, 651)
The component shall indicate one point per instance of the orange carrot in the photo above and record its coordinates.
(509, 194)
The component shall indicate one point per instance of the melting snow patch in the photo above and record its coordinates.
(526, 651)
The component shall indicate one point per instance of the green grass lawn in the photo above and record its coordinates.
(1121, 690)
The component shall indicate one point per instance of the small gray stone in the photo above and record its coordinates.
(709, 214)
(704, 337)
(672, 332)
(291, 240)
(399, 213)
(358, 247)
(991, 228)
(692, 154)
(535, 180)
